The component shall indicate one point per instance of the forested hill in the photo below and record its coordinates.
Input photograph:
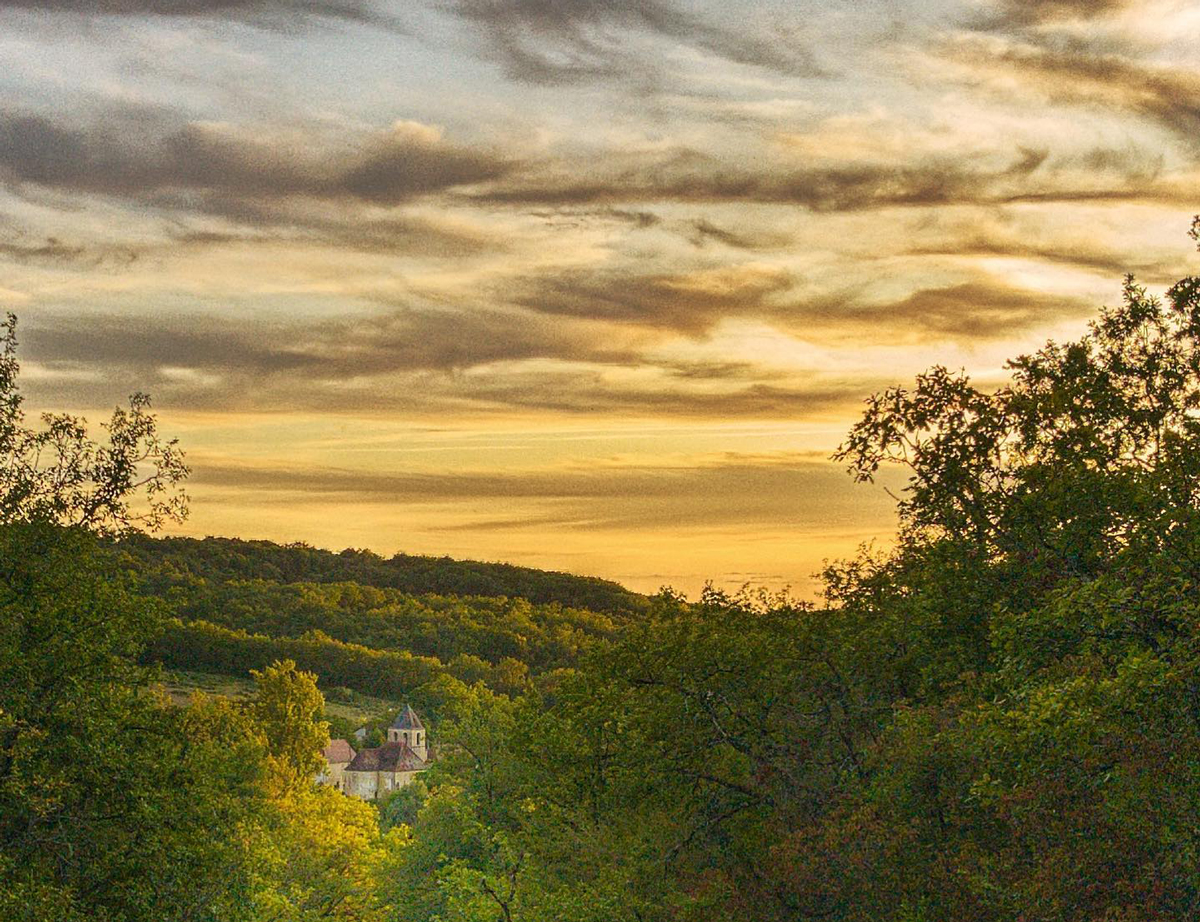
(385, 627)
(225, 559)
(995, 718)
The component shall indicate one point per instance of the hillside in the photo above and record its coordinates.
(345, 710)
(228, 559)
(369, 625)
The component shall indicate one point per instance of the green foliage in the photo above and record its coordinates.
(117, 807)
(57, 473)
(208, 647)
(288, 709)
(114, 805)
(229, 560)
(319, 855)
(108, 799)
(995, 720)
(400, 807)
(377, 641)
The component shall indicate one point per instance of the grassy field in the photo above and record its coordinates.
(356, 708)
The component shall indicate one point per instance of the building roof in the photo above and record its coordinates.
(407, 720)
(393, 756)
(338, 751)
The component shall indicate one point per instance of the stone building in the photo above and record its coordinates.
(372, 773)
(338, 754)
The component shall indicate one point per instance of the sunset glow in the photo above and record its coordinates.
(591, 286)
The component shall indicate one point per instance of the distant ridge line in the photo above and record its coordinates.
(244, 559)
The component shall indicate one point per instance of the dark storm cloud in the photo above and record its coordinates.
(389, 167)
(568, 41)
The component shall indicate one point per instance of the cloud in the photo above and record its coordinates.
(570, 41)
(302, 188)
(1070, 74)
(413, 235)
(1067, 250)
(982, 308)
(583, 393)
(411, 159)
(976, 305)
(279, 14)
(408, 234)
(572, 343)
(687, 302)
(1017, 14)
(416, 361)
(52, 251)
(976, 178)
(701, 232)
(783, 490)
(223, 163)
(317, 352)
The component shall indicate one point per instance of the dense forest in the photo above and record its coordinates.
(998, 718)
(380, 641)
(176, 562)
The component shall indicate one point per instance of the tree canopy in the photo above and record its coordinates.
(57, 472)
(995, 718)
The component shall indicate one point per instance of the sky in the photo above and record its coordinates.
(587, 285)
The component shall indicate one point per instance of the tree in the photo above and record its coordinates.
(400, 807)
(1090, 450)
(996, 719)
(289, 708)
(57, 473)
(1037, 621)
(112, 806)
(320, 853)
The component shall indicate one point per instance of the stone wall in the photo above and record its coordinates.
(370, 785)
(364, 785)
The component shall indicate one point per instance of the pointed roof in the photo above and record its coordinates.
(407, 720)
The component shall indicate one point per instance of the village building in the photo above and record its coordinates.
(372, 773)
(338, 754)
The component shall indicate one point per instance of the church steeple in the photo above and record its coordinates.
(407, 728)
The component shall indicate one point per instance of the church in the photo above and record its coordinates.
(372, 773)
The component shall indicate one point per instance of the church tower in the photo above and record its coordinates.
(407, 728)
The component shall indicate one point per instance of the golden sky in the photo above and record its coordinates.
(593, 285)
